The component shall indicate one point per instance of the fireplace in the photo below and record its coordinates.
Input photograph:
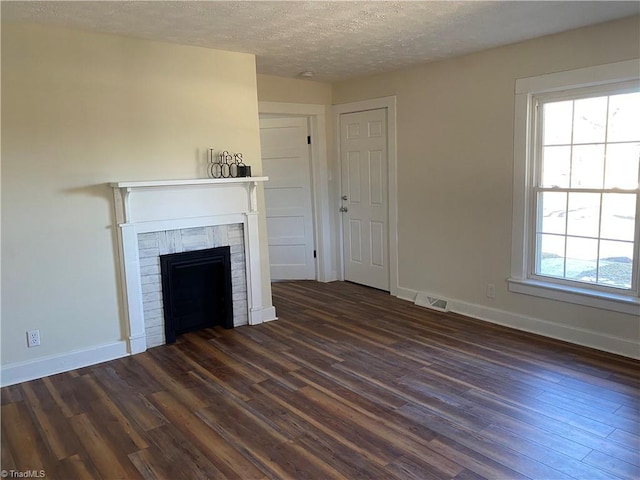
(152, 246)
(157, 218)
(196, 291)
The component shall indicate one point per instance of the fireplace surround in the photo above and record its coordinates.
(175, 216)
(153, 246)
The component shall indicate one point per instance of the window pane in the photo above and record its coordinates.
(624, 117)
(622, 170)
(618, 216)
(587, 167)
(551, 257)
(589, 120)
(616, 262)
(584, 214)
(553, 208)
(556, 166)
(558, 117)
(582, 255)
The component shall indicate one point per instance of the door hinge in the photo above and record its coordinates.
(308, 139)
(315, 255)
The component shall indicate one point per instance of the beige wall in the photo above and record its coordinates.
(293, 90)
(80, 110)
(455, 166)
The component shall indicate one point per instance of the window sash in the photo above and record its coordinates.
(550, 85)
(535, 189)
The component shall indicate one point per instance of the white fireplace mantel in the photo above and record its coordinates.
(137, 201)
(154, 206)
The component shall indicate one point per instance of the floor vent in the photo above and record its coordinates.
(435, 303)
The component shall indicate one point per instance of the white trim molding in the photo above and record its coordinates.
(321, 176)
(522, 280)
(579, 296)
(264, 314)
(578, 336)
(143, 207)
(50, 365)
(388, 103)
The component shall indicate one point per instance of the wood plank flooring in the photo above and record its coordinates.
(348, 383)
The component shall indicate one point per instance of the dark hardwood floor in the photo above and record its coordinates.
(348, 383)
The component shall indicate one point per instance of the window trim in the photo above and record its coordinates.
(526, 89)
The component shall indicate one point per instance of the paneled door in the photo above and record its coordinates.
(287, 163)
(364, 203)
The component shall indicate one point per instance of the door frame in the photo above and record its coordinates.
(316, 115)
(388, 103)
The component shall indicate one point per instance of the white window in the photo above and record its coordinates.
(577, 187)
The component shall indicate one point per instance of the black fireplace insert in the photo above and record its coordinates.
(196, 290)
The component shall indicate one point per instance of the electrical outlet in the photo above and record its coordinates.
(33, 338)
(491, 290)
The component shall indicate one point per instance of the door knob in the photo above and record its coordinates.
(344, 197)
(344, 209)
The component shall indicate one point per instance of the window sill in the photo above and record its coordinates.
(579, 296)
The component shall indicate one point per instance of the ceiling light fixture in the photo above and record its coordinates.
(307, 74)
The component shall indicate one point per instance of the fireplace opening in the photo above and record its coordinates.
(196, 290)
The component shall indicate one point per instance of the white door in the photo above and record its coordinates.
(287, 163)
(363, 148)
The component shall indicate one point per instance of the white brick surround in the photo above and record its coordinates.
(153, 244)
(175, 216)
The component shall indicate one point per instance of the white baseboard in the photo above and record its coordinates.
(578, 336)
(268, 314)
(406, 294)
(262, 314)
(137, 343)
(52, 364)
(42, 367)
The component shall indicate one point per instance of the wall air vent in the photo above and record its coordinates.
(434, 303)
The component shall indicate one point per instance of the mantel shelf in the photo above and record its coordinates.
(186, 182)
(155, 200)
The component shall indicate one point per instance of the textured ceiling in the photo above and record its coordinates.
(335, 40)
